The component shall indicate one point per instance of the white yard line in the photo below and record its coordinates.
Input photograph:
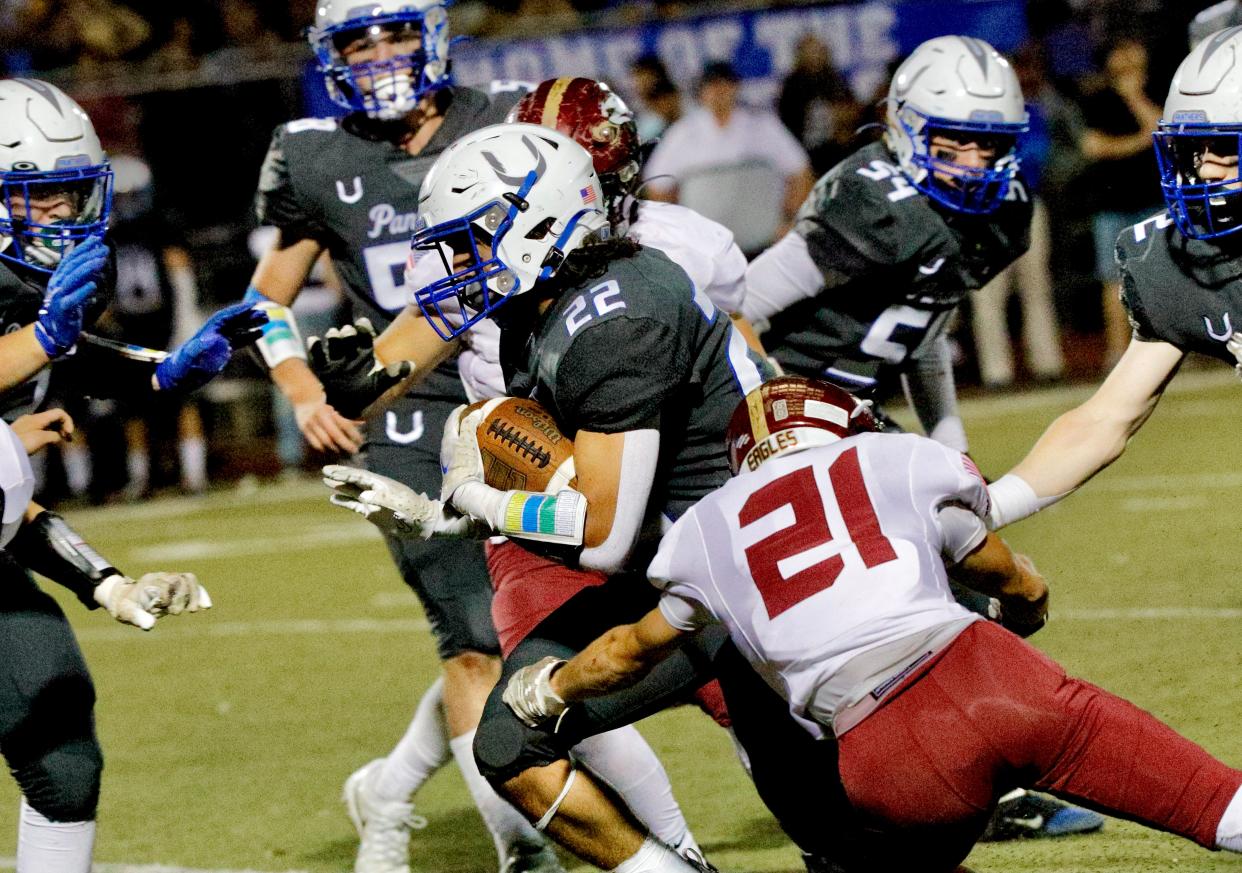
(11, 864)
(322, 535)
(206, 627)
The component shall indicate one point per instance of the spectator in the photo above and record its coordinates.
(1030, 275)
(658, 101)
(817, 105)
(723, 159)
(1120, 118)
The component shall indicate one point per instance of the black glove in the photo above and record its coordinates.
(344, 360)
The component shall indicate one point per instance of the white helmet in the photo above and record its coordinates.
(1203, 112)
(390, 88)
(48, 150)
(528, 192)
(961, 87)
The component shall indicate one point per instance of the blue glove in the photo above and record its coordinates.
(68, 294)
(197, 361)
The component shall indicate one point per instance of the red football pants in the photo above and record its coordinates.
(994, 713)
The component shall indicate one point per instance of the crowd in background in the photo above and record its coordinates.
(192, 90)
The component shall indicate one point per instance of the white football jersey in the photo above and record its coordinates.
(824, 555)
(700, 246)
(16, 483)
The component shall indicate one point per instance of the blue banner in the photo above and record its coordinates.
(865, 39)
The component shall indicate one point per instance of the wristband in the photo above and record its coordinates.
(51, 548)
(550, 518)
(280, 340)
(1013, 499)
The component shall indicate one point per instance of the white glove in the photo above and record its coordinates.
(140, 603)
(460, 458)
(529, 692)
(1235, 348)
(396, 509)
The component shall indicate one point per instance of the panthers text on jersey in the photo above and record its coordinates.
(638, 347)
(827, 566)
(356, 193)
(703, 248)
(1180, 291)
(872, 270)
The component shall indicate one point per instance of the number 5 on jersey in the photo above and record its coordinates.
(802, 548)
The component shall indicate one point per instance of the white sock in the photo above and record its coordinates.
(138, 465)
(1229, 831)
(422, 751)
(192, 452)
(77, 461)
(507, 826)
(654, 857)
(51, 846)
(623, 760)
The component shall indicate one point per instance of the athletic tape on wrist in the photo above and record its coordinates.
(551, 518)
(281, 339)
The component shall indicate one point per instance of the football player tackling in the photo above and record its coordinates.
(936, 712)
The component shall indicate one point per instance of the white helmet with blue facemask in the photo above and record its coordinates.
(1201, 126)
(502, 207)
(381, 56)
(55, 181)
(961, 88)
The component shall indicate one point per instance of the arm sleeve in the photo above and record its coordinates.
(617, 374)
(780, 277)
(276, 201)
(931, 391)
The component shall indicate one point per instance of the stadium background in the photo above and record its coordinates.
(227, 735)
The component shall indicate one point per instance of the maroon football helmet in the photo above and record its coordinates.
(595, 117)
(792, 413)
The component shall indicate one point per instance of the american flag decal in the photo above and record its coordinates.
(588, 195)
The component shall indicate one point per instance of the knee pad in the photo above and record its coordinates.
(63, 784)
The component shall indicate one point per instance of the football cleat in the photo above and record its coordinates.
(531, 858)
(695, 857)
(1024, 814)
(383, 825)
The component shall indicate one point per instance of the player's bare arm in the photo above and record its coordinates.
(280, 275)
(994, 569)
(617, 659)
(1088, 438)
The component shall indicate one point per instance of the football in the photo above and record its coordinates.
(522, 447)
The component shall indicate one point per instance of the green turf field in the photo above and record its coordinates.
(227, 735)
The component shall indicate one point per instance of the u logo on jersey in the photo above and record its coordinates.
(1219, 337)
(349, 197)
(400, 437)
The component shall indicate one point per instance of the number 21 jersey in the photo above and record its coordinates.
(824, 555)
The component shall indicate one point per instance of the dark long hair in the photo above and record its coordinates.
(589, 261)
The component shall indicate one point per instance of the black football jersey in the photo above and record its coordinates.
(639, 347)
(894, 267)
(21, 295)
(1181, 291)
(356, 194)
